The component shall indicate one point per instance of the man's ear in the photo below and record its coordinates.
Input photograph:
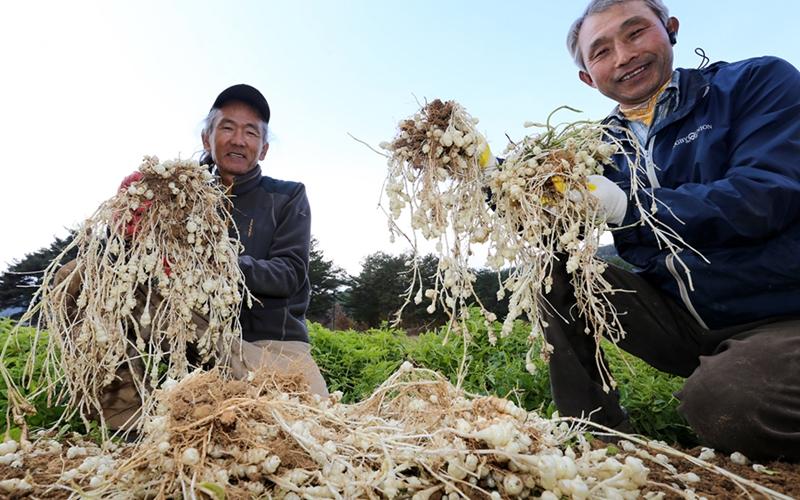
(263, 151)
(672, 26)
(586, 78)
(206, 143)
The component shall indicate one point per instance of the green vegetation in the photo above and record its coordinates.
(356, 362)
(15, 358)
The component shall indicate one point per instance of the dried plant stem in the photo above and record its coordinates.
(543, 215)
(156, 273)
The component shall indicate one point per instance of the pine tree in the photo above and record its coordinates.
(379, 290)
(326, 280)
(21, 280)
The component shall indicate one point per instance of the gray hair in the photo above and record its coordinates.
(597, 6)
(211, 121)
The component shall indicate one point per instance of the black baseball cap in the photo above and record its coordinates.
(246, 94)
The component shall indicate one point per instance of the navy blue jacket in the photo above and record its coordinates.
(274, 222)
(726, 162)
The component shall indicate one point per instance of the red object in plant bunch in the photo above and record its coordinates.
(132, 225)
(130, 179)
(167, 269)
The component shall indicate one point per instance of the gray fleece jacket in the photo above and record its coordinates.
(274, 223)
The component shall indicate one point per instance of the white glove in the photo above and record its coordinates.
(613, 200)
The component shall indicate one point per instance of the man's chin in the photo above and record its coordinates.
(638, 95)
(235, 168)
(633, 98)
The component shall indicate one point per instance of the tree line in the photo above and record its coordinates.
(338, 300)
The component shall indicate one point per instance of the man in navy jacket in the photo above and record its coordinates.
(722, 157)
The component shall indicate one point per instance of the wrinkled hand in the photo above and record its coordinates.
(73, 287)
(613, 200)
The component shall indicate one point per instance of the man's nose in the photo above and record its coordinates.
(625, 53)
(238, 137)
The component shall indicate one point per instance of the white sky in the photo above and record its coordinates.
(88, 88)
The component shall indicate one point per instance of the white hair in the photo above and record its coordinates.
(597, 6)
(211, 121)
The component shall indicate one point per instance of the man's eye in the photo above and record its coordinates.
(636, 33)
(599, 54)
(252, 133)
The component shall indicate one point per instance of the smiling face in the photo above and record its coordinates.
(627, 52)
(236, 142)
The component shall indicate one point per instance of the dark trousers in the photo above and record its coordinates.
(742, 389)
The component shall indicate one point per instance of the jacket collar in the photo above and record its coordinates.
(695, 84)
(246, 182)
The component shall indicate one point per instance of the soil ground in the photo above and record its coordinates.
(781, 477)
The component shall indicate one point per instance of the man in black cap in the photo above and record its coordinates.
(273, 222)
(274, 225)
(238, 121)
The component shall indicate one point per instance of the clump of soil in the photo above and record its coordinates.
(414, 133)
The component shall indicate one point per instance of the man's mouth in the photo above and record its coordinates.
(634, 73)
(236, 155)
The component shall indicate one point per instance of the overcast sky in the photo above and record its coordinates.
(88, 88)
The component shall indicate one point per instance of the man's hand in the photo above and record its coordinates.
(73, 287)
(613, 200)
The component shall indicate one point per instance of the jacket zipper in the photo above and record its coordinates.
(650, 164)
(670, 261)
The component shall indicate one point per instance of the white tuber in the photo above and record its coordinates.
(190, 456)
(15, 485)
(75, 452)
(512, 484)
(706, 454)
(271, 464)
(9, 458)
(738, 458)
(9, 446)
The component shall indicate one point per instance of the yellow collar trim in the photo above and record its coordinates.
(644, 112)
